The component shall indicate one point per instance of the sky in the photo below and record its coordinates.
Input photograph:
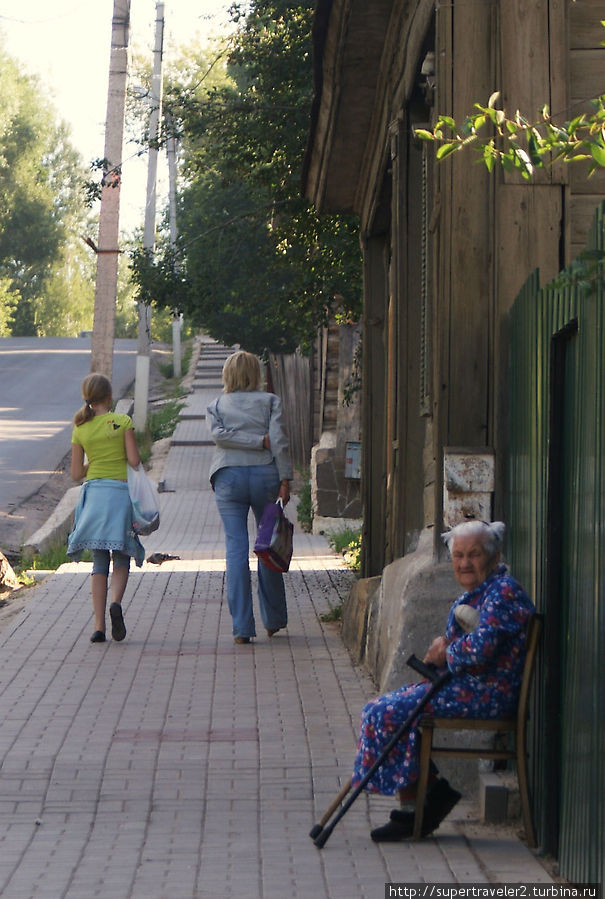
(67, 43)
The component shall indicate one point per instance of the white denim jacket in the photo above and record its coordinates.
(238, 423)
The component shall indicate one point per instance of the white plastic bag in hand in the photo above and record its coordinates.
(144, 499)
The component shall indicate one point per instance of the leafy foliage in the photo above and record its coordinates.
(585, 273)
(44, 273)
(8, 301)
(49, 560)
(335, 614)
(255, 264)
(520, 145)
(304, 510)
(160, 423)
(347, 542)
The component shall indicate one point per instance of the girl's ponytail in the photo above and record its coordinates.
(95, 389)
(83, 414)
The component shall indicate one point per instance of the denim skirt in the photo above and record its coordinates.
(103, 520)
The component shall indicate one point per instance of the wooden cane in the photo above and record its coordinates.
(436, 681)
(317, 828)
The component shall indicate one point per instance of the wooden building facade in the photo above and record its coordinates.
(447, 248)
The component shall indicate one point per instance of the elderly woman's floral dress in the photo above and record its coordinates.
(486, 666)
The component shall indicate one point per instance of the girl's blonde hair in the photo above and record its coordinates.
(95, 389)
(241, 371)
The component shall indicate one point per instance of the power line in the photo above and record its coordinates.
(55, 18)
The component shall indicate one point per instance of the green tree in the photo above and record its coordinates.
(8, 301)
(255, 264)
(41, 209)
(126, 310)
(65, 303)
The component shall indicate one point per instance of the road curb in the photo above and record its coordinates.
(57, 527)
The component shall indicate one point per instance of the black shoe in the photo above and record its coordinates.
(98, 637)
(118, 628)
(400, 827)
(440, 801)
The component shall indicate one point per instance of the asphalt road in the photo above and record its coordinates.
(40, 382)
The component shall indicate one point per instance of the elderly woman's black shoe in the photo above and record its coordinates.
(440, 801)
(399, 827)
(98, 637)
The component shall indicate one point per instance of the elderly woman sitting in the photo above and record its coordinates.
(483, 647)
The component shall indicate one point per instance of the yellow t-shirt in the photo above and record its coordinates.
(102, 439)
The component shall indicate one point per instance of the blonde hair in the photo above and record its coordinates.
(241, 371)
(95, 389)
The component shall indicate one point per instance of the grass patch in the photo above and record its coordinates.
(164, 420)
(160, 424)
(50, 559)
(335, 614)
(186, 354)
(347, 542)
(305, 505)
(341, 540)
(144, 445)
(167, 368)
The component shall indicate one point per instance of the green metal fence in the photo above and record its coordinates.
(556, 516)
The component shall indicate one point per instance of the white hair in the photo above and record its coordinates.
(490, 534)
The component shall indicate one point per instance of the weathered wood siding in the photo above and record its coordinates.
(465, 282)
(405, 423)
(328, 377)
(373, 416)
(291, 377)
(586, 80)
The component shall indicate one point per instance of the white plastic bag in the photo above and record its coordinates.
(144, 499)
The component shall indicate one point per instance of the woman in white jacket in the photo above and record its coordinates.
(250, 468)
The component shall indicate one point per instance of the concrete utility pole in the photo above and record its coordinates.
(141, 389)
(177, 318)
(109, 224)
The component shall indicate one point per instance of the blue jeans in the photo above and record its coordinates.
(239, 488)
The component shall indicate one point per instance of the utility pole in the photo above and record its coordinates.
(109, 218)
(177, 318)
(141, 389)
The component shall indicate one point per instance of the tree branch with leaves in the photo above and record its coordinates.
(519, 145)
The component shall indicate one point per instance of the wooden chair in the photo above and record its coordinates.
(515, 726)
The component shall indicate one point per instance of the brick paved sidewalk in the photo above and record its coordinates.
(177, 765)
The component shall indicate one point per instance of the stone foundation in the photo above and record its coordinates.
(403, 610)
(333, 494)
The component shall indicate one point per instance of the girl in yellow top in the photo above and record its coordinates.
(103, 442)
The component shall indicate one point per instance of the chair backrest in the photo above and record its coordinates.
(532, 637)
